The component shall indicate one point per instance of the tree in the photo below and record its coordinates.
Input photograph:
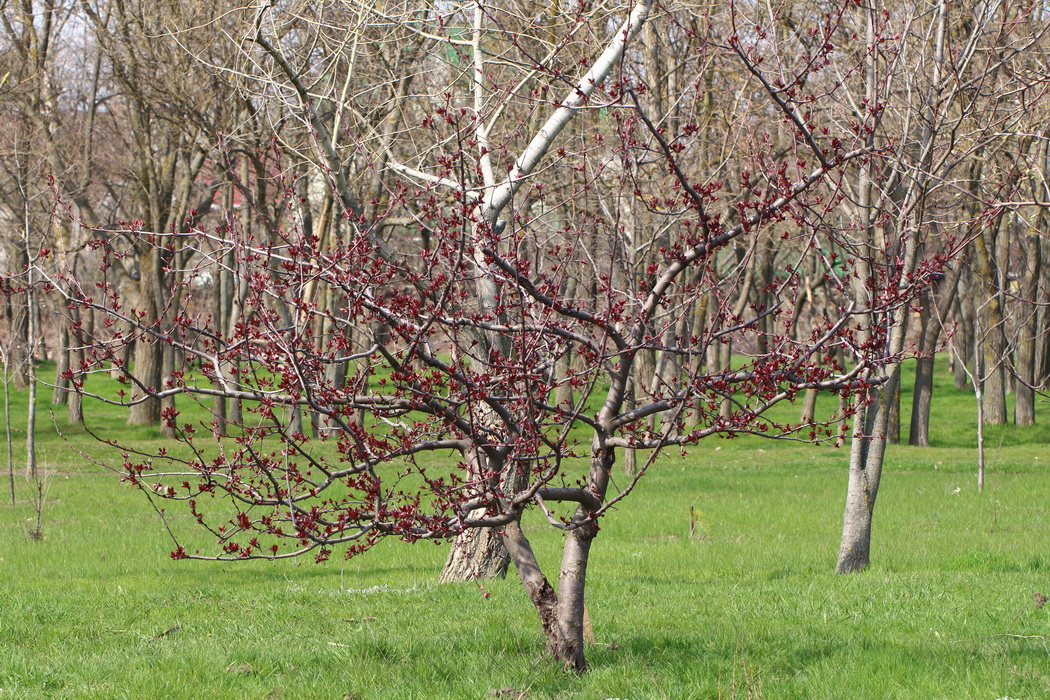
(943, 128)
(450, 416)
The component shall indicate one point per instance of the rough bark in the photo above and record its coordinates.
(476, 554)
(148, 366)
(571, 601)
(539, 590)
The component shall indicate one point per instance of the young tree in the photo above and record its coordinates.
(921, 98)
(451, 415)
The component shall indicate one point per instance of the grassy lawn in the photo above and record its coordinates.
(746, 608)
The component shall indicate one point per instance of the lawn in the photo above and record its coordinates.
(747, 607)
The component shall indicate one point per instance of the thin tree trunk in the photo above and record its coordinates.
(18, 327)
(31, 378)
(809, 406)
(929, 334)
(867, 451)
(7, 428)
(1024, 395)
(893, 425)
(965, 333)
(630, 455)
(149, 354)
(60, 392)
(75, 401)
(992, 350)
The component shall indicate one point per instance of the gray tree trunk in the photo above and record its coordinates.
(893, 426)
(867, 451)
(168, 402)
(60, 392)
(476, 554)
(1024, 394)
(149, 354)
(929, 334)
(18, 352)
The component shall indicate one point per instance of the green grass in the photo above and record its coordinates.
(748, 608)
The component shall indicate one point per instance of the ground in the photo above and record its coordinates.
(747, 607)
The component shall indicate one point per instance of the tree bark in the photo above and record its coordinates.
(60, 392)
(1024, 394)
(865, 471)
(929, 334)
(476, 554)
(149, 353)
(992, 350)
(148, 366)
(18, 354)
(893, 426)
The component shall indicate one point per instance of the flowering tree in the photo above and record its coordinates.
(467, 341)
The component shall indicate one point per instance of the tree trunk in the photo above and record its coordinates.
(539, 590)
(31, 378)
(168, 402)
(809, 406)
(1028, 329)
(865, 471)
(893, 424)
(919, 432)
(965, 342)
(630, 455)
(18, 353)
(929, 333)
(60, 392)
(571, 602)
(992, 341)
(75, 400)
(148, 367)
(149, 354)
(476, 554)
(698, 329)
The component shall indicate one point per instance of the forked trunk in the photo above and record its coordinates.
(535, 583)
(562, 614)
